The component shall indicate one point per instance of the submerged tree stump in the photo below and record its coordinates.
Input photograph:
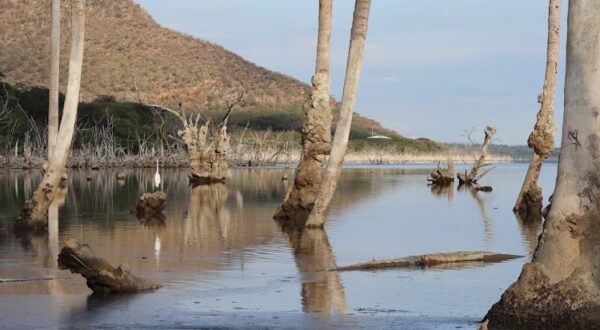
(443, 176)
(150, 206)
(101, 277)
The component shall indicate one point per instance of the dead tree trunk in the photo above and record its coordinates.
(316, 131)
(358, 35)
(35, 213)
(541, 140)
(560, 287)
(100, 275)
(54, 77)
(473, 175)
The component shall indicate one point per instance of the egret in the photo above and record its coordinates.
(156, 176)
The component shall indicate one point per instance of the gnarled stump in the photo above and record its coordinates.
(473, 175)
(100, 276)
(150, 206)
(443, 176)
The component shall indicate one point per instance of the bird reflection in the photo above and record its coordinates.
(322, 291)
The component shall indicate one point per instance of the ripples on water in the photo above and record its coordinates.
(225, 262)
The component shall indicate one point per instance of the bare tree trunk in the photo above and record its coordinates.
(340, 140)
(35, 212)
(316, 132)
(559, 288)
(541, 139)
(54, 76)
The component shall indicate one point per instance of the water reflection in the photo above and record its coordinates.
(530, 229)
(322, 291)
(443, 191)
(219, 250)
(488, 228)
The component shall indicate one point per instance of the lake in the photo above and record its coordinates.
(225, 263)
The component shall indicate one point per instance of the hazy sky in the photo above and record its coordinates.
(432, 68)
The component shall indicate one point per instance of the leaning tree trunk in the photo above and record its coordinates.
(316, 132)
(560, 287)
(35, 212)
(541, 139)
(54, 76)
(340, 140)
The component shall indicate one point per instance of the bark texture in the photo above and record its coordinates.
(207, 160)
(316, 131)
(474, 174)
(100, 275)
(559, 288)
(541, 140)
(331, 177)
(35, 213)
(54, 77)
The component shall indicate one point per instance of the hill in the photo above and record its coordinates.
(129, 57)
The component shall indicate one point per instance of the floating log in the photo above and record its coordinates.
(429, 260)
(100, 275)
(150, 206)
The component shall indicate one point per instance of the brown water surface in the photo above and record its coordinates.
(225, 263)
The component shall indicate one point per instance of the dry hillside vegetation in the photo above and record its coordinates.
(125, 47)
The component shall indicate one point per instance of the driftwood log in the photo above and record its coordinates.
(100, 276)
(432, 260)
(474, 174)
(442, 176)
(150, 206)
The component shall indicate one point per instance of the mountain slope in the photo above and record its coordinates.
(129, 57)
(126, 48)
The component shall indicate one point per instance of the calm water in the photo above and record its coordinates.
(225, 263)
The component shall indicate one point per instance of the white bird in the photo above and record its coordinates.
(156, 176)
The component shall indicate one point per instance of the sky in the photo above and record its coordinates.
(432, 68)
